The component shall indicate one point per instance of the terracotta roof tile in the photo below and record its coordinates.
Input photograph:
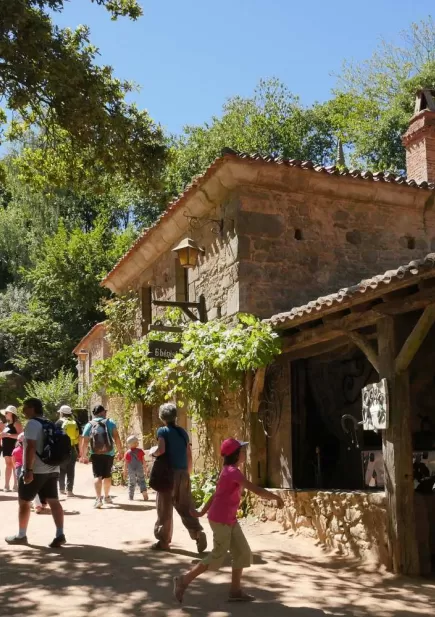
(419, 266)
(229, 154)
(88, 336)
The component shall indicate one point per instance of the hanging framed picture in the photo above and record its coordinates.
(375, 406)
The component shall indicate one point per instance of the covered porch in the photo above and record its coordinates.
(342, 482)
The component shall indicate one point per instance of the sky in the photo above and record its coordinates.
(189, 56)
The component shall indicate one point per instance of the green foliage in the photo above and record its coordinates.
(374, 99)
(122, 321)
(60, 390)
(203, 486)
(50, 80)
(214, 358)
(33, 343)
(38, 337)
(118, 474)
(272, 121)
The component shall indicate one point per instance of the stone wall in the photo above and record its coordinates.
(296, 246)
(216, 275)
(350, 523)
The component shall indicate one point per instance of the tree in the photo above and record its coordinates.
(60, 390)
(272, 121)
(374, 100)
(86, 131)
(66, 296)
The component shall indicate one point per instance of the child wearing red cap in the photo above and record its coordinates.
(222, 510)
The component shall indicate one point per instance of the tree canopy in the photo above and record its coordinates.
(51, 82)
(88, 170)
(271, 121)
(374, 99)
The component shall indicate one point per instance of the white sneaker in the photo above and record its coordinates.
(98, 503)
(108, 500)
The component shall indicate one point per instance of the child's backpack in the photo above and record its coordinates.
(100, 440)
(57, 445)
(69, 426)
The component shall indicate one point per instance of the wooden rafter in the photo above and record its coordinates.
(330, 331)
(415, 339)
(366, 347)
(413, 302)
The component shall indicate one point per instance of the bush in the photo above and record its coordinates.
(203, 486)
(61, 390)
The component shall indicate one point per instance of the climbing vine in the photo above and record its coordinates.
(213, 359)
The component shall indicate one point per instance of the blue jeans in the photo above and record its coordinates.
(136, 476)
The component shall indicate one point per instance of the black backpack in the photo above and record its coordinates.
(57, 444)
(162, 475)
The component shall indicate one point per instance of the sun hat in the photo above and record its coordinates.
(11, 409)
(229, 446)
(65, 409)
(132, 439)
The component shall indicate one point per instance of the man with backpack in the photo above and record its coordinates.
(70, 427)
(45, 447)
(99, 435)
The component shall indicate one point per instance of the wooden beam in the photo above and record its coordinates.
(397, 454)
(161, 328)
(172, 303)
(366, 347)
(330, 331)
(414, 302)
(415, 339)
(318, 350)
(257, 390)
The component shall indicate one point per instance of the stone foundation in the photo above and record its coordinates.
(351, 523)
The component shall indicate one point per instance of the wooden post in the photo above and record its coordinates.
(397, 453)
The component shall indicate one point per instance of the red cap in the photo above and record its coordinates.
(229, 446)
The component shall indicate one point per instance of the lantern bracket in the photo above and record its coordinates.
(195, 222)
(186, 306)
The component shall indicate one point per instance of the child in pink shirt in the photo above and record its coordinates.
(222, 510)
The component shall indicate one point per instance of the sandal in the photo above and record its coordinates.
(158, 547)
(201, 542)
(179, 588)
(241, 597)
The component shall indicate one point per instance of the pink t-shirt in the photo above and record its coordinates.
(227, 496)
(17, 456)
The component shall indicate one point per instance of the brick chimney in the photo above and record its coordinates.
(419, 139)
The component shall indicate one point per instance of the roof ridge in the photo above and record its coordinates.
(230, 154)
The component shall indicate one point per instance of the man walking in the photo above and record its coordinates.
(70, 427)
(37, 478)
(99, 436)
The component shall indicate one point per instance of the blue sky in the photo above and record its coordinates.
(188, 56)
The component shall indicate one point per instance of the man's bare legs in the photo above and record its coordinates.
(98, 483)
(107, 485)
(23, 515)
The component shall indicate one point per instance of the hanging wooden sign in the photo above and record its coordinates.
(161, 350)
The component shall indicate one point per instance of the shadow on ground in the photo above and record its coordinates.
(87, 580)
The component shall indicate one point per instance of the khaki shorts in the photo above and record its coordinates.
(228, 538)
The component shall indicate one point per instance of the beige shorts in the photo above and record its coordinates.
(228, 538)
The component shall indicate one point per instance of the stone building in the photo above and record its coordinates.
(91, 348)
(276, 234)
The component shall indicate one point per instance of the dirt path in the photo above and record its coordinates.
(108, 570)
